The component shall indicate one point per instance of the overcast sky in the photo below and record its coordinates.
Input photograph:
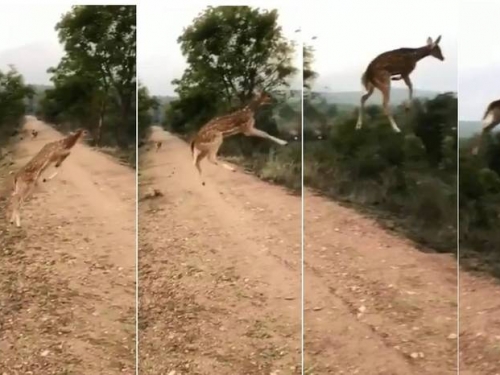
(28, 39)
(350, 36)
(160, 24)
(479, 66)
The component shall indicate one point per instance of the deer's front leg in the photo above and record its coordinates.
(253, 132)
(198, 156)
(410, 88)
(61, 156)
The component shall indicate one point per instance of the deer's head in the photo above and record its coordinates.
(82, 133)
(263, 98)
(435, 50)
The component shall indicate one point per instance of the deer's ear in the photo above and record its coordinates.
(429, 41)
(437, 40)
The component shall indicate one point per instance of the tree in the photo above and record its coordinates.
(435, 120)
(99, 66)
(231, 52)
(13, 92)
(309, 75)
(145, 104)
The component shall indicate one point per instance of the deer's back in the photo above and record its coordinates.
(227, 124)
(398, 61)
(493, 105)
(39, 161)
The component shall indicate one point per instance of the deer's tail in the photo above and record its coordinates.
(366, 79)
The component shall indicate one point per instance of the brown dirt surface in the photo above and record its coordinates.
(219, 270)
(67, 276)
(220, 284)
(479, 325)
(374, 303)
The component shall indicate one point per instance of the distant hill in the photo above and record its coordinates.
(293, 98)
(292, 95)
(164, 99)
(159, 113)
(41, 88)
(352, 98)
(467, 129)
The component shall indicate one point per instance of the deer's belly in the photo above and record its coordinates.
(400, 69)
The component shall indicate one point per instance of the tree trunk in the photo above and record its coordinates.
(100, 123)
(121, 137)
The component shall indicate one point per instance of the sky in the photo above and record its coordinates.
(28, 39)
(349, 37)
(479, 66)
(160, 24)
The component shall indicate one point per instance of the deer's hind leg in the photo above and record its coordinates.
(364, 98)
(408, 83)
(383, 83)
(22, 190)
(198, 156)
(212, 154)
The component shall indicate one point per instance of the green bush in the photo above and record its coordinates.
(480, 205)
(410, 177)
(13, 93)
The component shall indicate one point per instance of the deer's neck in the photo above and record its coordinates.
(252, 106)
(421, 52)
(71, 140)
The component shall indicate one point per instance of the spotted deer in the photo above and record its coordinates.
(491, 119)
(158, 145)
(394, 65)
(209, 138)
(26, 179)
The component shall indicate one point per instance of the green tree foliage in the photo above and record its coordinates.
(231, 52)
(94, 84)
(308, 73)
(145, 105)
(411, 175)
(479, 204)
(13, 95)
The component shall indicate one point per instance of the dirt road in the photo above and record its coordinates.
(67, 280)
(384, 306)
(219, 270)
(220, 283)
(479, 325)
